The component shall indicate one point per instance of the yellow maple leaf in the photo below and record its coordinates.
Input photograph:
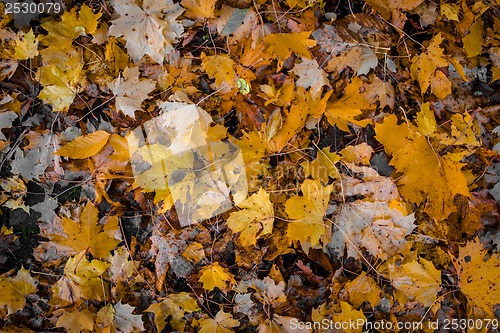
(478, 278)
(363, 289)
(255, 220)
(84, 146)
(417, 280)
(215, 275)
(307, 212)
(221, 68)
(282, 45)
(473, 42)
(305, 104)
(60, 84)
(253, 146)
(423, 66)
(13, 290)
(26, 48)
(349, 315)
(88, 235)
(358, 96)
(115, 55)
(222, 323)
(76, 321)
(199, 9)
(427, 177)
(79, 21)
(81, 281)
(174, 306)
(87, 19)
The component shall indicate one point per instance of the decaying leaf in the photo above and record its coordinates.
(478, 276)
(377, 227)
(311, 76)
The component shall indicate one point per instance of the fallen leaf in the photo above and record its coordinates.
(199, 9)
(363, 289)
(76, 321)
(418, 280)
(149, 29)
(13, 291)
(174, 306)
(26, 48)
(126, 322)
(220, 67)
(122, 268)
(82, 280)
(350, 315)
(358, 96)
(130, 91)
(440, 85)
(307, 213)
(222, 323)
(215, 275)
(282, 45)
(373, 225)
(473, 42)
(84, 146)
(88, 235)
(255, 220)
(311, 76)
(478, 278)
(427, 177)
(423, 66)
